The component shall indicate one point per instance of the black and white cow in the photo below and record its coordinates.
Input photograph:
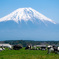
(28, 47)
(2, 49)
(54, 49)
(17, 47)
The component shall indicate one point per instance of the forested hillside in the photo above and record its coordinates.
(25, 42)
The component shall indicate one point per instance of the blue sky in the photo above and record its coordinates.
(49, 8)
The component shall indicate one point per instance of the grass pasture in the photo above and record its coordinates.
(27, 54)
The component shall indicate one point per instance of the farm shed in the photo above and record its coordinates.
(42, 47)
(5, 45)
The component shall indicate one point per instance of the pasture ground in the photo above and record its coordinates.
(27, 54)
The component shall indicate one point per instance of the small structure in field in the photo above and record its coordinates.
(41, 47)
(5, 45)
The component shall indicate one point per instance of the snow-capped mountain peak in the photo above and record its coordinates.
(26, 14)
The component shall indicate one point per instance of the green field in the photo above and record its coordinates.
(27, 54)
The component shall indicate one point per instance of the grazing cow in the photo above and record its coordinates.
(54, 49)
(28, 47)
(43, 48)
(1, 49)
(17, 47)
(50, 49)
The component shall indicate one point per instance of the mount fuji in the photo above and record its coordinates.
(26, 14)
(28, 24)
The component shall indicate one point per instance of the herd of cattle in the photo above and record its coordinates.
(50, 48)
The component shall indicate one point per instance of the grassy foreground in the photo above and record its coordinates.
(27, 54)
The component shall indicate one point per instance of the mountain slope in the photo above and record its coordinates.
(26, 14)
(28, 24)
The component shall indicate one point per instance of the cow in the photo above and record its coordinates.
(28, 47)
(54, 49)
(2, 49)
(43, 48)
(17, 47)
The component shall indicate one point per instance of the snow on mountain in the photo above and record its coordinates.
(26, 14)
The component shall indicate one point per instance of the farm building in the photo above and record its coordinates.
(5, 45)
(42, 47)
